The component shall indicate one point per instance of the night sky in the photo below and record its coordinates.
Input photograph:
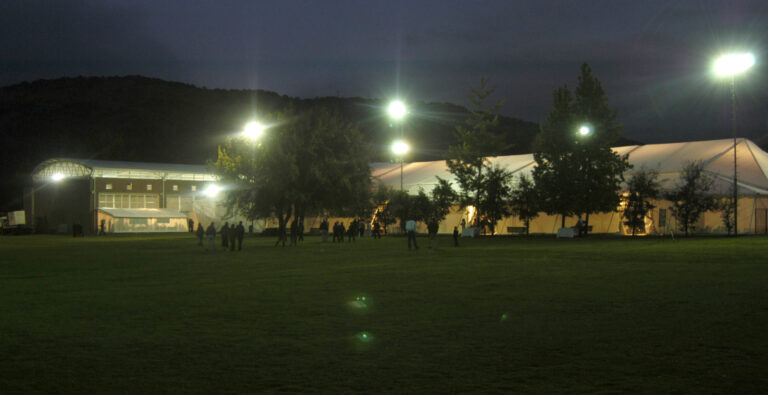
(653, 57)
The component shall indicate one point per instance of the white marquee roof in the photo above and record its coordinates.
(668, 159)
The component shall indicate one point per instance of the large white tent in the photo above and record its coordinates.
(668, 159)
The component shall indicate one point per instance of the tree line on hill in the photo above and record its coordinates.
(149, 120)
(313, 162)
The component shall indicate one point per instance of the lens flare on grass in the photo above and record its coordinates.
(360, 302)
(364, 336)
(504, 317)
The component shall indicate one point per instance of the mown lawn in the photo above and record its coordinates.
(157, 314)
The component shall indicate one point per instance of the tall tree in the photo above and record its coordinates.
(577, 171)
(308, 163)
(691, 197)
(525, 201)
(477, 139)
(493, 204)
(643, 186)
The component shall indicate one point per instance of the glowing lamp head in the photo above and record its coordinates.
(585, 130)
(57, 177)
(397, 110)
(400, 147)
(732, 64)
(253, 130)
(212, 190)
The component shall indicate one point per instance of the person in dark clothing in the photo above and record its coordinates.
(301, 230)
(342, 230)
(324, 229)
(351, 232)
(432, 228)
(250, 228)
(200, 234)
(232, 237)
(361, 227)
(240, 233)
(376, 230)
(102, 232)
(210, 234)
(294, 231)
(191, 225)
(225, 235)
(455, 236)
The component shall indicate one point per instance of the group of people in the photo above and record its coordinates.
(231, 236)
(357, 227)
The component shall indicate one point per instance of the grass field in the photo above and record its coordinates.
(157, 314)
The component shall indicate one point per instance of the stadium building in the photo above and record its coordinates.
(156, 197)
(123, 196)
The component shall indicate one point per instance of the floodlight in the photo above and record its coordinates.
(397, 110)
(400, 147)
(253, 130)
(212, 190)
(56, 177)
(732, 64)
(585, 130)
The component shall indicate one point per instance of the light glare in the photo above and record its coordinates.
(397, 110)
(400, 147)
(57, 177)
(731, 64)
(212, 190)
(585, 130)
(253, 130)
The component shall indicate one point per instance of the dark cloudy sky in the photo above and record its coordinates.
(653, 57)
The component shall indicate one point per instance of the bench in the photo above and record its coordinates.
(519, 230)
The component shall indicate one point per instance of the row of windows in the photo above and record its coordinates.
(129, 187)
(128, 200)
(140, 200)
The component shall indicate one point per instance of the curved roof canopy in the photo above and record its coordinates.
(63, 167)
(668, 159)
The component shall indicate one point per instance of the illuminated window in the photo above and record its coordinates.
(175, 187)
(129, 187)
(108, 187)
(149, 187)
(194, 188)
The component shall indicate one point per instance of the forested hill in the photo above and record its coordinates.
(141, 119)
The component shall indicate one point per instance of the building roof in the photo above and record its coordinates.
(668, 159)
(118, 169)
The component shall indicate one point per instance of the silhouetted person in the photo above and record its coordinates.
(231, 233)
(455, 236)
(225, 235)
(361, 228)
(324, 229)
(101, 227)
(376, 230)
(301, 230)
(210, 235)
(191, 225)
(342, 230)
(580, 229)
(200, 234)
(432, 228)
(240, 233)
(294, 231)
(250, 228)
(352, 231)
(410, 229)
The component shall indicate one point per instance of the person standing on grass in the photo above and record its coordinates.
(301, 230)
(240, 233)
(351, 232)
(410, 229)
(294, 232)
(232, 236)
(200, 234)
(210, 235)
(324, 229)
(455, 236)
(432, 227)
(224, 235)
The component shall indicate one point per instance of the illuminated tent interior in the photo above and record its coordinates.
(668, 159)
(122, 220)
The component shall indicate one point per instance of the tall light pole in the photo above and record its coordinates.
(397, 111)
(400, 147)
(728, 66)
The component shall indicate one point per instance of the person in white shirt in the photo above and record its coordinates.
(410, 229)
